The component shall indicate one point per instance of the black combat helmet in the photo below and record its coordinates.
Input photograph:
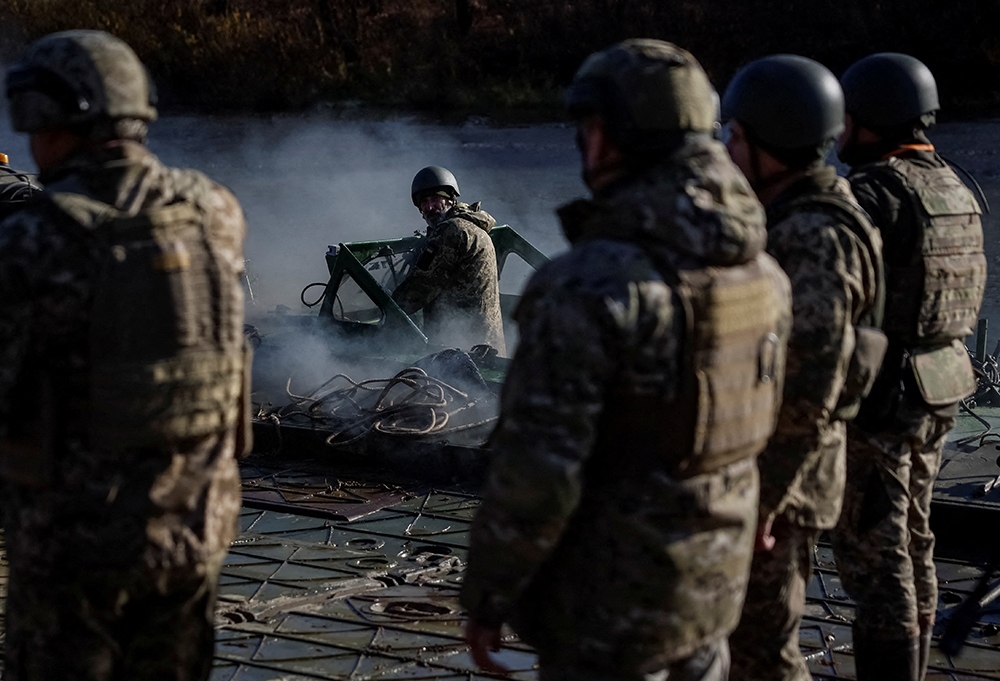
(787, 103)
(647, 92)
(432, 180)
(889, 89)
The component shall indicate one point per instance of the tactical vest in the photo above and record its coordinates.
(870, 343)
(167, 357)
(730, 382)
(935, 297)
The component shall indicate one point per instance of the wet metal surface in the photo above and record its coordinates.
(825, 636)
(332, 577)
(377, 598)
(324, 495)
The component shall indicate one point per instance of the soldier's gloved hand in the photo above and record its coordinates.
(764, 540)
(483, 639)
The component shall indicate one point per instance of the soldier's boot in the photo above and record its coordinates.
(892, 660)
(926, 630)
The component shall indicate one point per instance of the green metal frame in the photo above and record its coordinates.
(506, 241)
(351, 257)
(347, 262)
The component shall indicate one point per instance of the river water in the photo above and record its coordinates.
(309, 181)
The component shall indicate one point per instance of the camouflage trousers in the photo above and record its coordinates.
(765, 645)
(708, 663)
(883, 543)
(100, 625)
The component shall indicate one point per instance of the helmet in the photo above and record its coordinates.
(786, 102)
(890, 89)
(431, 180)
(77, 78)
(646, 91)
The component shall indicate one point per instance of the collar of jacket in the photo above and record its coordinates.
(585, 219)
(609, 214)
(109, 157)
(816, 179)
(867, 154)
(471, 213)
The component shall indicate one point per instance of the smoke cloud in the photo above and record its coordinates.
(306, 182)
(309, 182)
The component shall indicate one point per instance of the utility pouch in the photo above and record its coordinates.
(870, 345)
(244, 420)
(944, 374)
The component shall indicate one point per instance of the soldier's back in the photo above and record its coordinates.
(656, 291)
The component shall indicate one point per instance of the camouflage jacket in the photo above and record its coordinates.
(15, 189)
(165, 509)
(833, 281)
(593, 564)
(455, 282)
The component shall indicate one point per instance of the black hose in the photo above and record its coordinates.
(302, 296)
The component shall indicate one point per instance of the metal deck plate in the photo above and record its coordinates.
(333, 577)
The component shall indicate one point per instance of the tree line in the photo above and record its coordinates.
(486, 56)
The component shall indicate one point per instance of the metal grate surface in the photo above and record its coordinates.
(307, 597)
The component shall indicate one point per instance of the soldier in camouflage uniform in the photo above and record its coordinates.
(785, 112)
(935, 274)
(454, 280)
(617, 522)
(15, 188)
(122, 380)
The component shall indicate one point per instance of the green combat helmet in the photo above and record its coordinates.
(647, 92)
(74, 79)
(889, 89)
(787, 103)
(433, 180)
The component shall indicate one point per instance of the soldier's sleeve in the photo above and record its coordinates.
(228, 226)
(874, 200)
(819, 348)
(552, 397)
(434, 270)
(16, 307)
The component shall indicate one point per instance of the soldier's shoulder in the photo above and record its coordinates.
(194, 185)
(188, 182)
(804, 222)
(780, 283)
(459, 233)
(842, 207)
(809, 234)
(461, 223)
(458, 223)
(38, 227)
(596, 267)
(871, 176)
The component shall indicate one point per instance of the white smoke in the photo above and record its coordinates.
(309, 182)
(306, 182)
